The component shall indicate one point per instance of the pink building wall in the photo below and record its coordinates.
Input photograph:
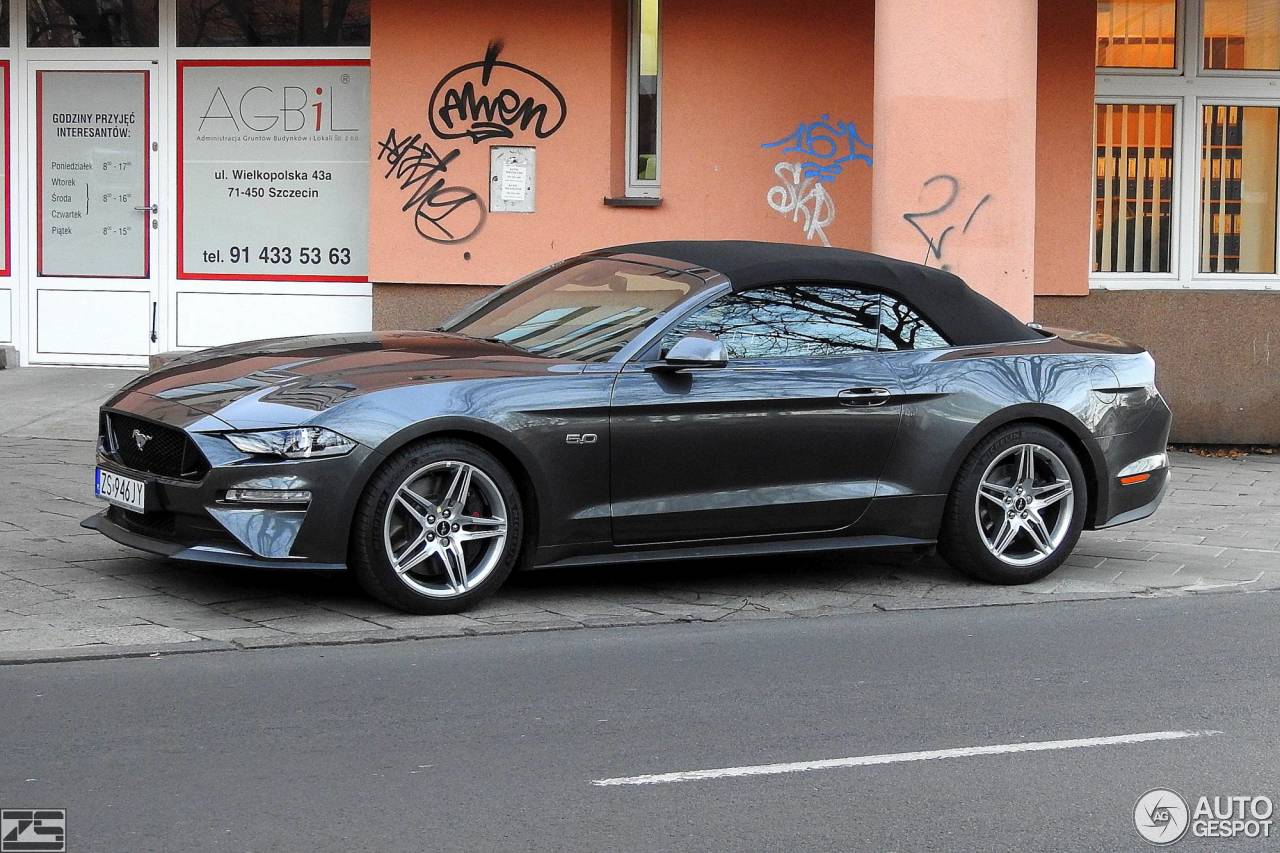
(735, 76)
(1064, 147)
(955, 109)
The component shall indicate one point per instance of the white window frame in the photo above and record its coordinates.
(177, 287)
(1179, 185)
(163, 58)
(1189, 89)
(635, 187)
(12, 287)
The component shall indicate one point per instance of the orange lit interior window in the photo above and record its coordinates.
(1133, 196)
(1242, 34)
(1137, 33)
(1238, 152)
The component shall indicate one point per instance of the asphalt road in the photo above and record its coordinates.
(493, 742)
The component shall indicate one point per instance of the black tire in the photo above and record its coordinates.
(962, 541)
(370, 561)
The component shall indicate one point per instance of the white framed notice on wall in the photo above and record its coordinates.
(92, 173)
(273, 170)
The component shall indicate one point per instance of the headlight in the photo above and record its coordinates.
(300, 443)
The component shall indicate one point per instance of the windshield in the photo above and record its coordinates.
(587, 311)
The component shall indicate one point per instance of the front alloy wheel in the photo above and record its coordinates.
(1016, 508)
(438, 528)
(446, 529)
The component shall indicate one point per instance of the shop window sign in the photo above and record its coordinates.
(273, 170)
(92, 166)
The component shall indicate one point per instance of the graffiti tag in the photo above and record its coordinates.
(482, 100)
(935, 245)
(802, 196)
(441, 214)
(827, 147)
(491, 99)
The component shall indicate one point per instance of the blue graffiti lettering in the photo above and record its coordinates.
(827, 146)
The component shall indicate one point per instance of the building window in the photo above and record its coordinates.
(1137, 33)
(273, 23)
(1242, 34)
(1133, 197)
(106, 23)
(644, 75)
(1187, 144)
(1238, 189)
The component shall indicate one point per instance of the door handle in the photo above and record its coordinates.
(864, 396)
(155, 208)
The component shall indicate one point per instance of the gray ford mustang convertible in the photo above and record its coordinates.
(655, 401)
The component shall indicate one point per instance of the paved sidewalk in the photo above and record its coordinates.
(65, 591)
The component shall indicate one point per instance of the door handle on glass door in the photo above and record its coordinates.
(155, 208)
(864, 396)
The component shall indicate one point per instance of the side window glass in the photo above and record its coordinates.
(796, 321)
(901, 327)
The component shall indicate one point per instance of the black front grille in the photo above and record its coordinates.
(154, 448)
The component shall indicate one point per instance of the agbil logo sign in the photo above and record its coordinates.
(493, 99)
(262, 108)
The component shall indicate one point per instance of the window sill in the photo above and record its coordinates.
(1196, 285)
(631, 201)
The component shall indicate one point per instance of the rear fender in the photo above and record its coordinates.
(1069, 427)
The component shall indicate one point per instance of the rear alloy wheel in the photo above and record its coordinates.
(1017, 507)
(438, 529)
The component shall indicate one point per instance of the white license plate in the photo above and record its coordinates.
(121, 491)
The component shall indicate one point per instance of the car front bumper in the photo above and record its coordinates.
(193, 520)
(108, 525)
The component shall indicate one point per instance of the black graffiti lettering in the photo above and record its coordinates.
(441, 214)
(487, 117)
(481, 100)
(934, 245)
(492, 99)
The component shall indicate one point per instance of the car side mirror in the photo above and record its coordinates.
(696, 349)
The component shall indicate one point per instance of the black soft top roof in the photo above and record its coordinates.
(962, 314)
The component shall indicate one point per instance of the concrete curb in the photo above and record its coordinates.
(106, 652)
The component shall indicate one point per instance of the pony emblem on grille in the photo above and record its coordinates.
(140, 438)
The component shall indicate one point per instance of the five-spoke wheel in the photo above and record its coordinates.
(438, 528)
(1017, 506)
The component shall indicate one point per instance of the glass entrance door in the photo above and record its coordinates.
(94, 214)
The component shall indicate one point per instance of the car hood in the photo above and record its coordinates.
(288, 381)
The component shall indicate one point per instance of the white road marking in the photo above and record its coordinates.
(900, 757)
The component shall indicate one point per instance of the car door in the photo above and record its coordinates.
(788, 437)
